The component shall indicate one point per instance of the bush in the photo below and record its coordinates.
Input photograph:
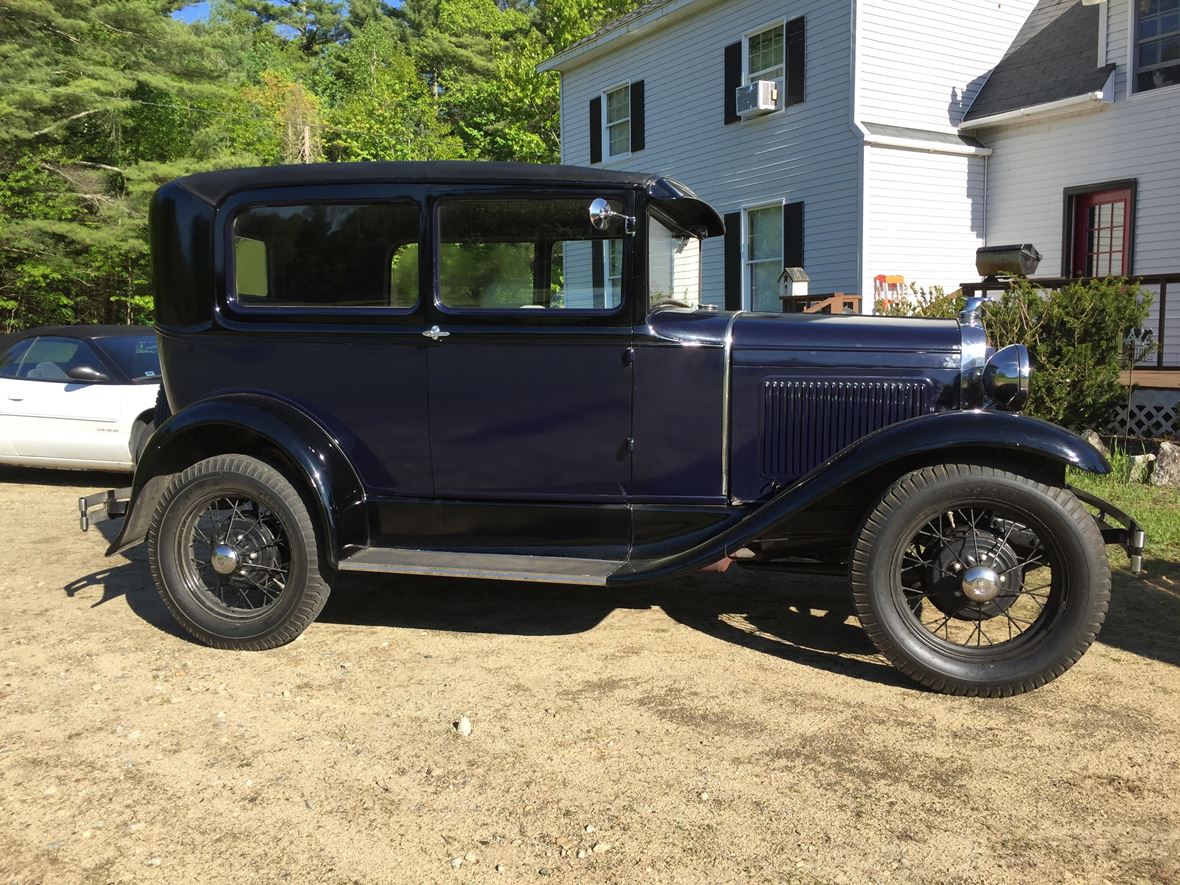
(933, 302)
(1075, 338)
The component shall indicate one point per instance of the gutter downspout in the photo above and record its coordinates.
(862, 135)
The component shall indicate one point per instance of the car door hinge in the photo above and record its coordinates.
(630, 444)
(629, 356)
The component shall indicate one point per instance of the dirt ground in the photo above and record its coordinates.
(718, 729)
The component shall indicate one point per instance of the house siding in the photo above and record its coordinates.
(922, 64)
(926, 216)
(809, 152)
(1135, 138)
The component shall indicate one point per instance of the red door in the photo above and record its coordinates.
(1102, 233)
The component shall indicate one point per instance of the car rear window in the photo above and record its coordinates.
(326, 255)
(136, 355)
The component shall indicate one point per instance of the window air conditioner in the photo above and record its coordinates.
(760, 97)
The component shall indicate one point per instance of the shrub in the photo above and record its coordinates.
(1075, 338)
(933, 302)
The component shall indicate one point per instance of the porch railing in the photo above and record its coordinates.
(1164, 319)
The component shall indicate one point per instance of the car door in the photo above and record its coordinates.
(529, 369)
(56, 417)
(10, 396)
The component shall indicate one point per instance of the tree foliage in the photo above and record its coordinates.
(101, 101)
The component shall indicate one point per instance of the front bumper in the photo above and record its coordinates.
(113, 503)
(1124, 531)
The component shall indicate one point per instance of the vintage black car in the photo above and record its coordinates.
(505, 372)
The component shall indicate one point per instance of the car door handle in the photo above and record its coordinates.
(16, 399)
(434, 333)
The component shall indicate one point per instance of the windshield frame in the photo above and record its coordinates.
(657, 217)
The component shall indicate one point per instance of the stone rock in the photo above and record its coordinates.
(1095, 440)
(1167, 467)
(1140, 468)
(456, 862)
(463, 726)
(600, 847)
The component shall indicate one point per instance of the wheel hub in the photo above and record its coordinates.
(225, 559)
(974, 575)
(981, 584)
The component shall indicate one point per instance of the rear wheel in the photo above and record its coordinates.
(233, 553)
(976, 581)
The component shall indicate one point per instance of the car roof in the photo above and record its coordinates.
(80, 330)
(213, 187)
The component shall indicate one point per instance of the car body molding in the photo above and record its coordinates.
(926, 435)
(215, 426)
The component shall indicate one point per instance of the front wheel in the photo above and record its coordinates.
(233, 553)
(975, 581)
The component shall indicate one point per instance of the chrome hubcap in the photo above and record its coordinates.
(224, 559)
(981, 584)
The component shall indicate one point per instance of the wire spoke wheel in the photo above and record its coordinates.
(977, 576)
(976, 581)
(238, 553)
(234, 554)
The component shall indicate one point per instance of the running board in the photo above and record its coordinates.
(488, 566)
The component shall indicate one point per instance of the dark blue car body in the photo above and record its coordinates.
(658, 440)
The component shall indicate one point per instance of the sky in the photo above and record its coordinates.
(194, 12)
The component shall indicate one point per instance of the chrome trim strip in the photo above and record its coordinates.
(972, 358)
(725, 384)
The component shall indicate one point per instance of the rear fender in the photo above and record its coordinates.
(889, 453)
(252, 424)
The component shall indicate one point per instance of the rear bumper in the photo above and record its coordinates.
(1117, 528)
(113, 504)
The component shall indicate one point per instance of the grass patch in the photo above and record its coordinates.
(1156, 509)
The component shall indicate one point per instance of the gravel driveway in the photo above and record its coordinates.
(714, 729)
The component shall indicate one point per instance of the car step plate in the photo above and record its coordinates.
(489, 566)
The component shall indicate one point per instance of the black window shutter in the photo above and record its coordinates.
(796, 61)
(733, 79)
(733, 261)
(638, 130)
(596, 130)
(598, 271)
(793, 235)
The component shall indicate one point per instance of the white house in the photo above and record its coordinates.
(897, 136)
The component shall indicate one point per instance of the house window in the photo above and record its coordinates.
(1157, 44)
(618, 121)
(764, 256)
(1099, 235)
(766, 57)
(613, 271)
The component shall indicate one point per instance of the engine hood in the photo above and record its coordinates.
(817, 340)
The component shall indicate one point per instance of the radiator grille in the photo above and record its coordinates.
(806, 422)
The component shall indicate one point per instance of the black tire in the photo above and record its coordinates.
(906, 579)
(263, 515)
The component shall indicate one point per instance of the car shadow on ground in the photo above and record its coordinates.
(1144, 616)
(806, 620)
(43, 476)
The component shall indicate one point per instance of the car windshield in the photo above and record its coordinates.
(674, 265)
(134, 354)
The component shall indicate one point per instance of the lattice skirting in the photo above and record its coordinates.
(1152, 413)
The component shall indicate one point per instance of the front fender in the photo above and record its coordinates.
(925, 439)
(252, 424)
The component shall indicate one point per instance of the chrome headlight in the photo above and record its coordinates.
(1006, 376)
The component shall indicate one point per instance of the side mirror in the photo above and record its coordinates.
(601, 214)
(87, 375)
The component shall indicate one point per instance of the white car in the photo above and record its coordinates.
(78, 397)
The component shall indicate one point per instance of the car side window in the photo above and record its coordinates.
(326, 255)
(513, 254)
(10, 362)
(50, 359)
